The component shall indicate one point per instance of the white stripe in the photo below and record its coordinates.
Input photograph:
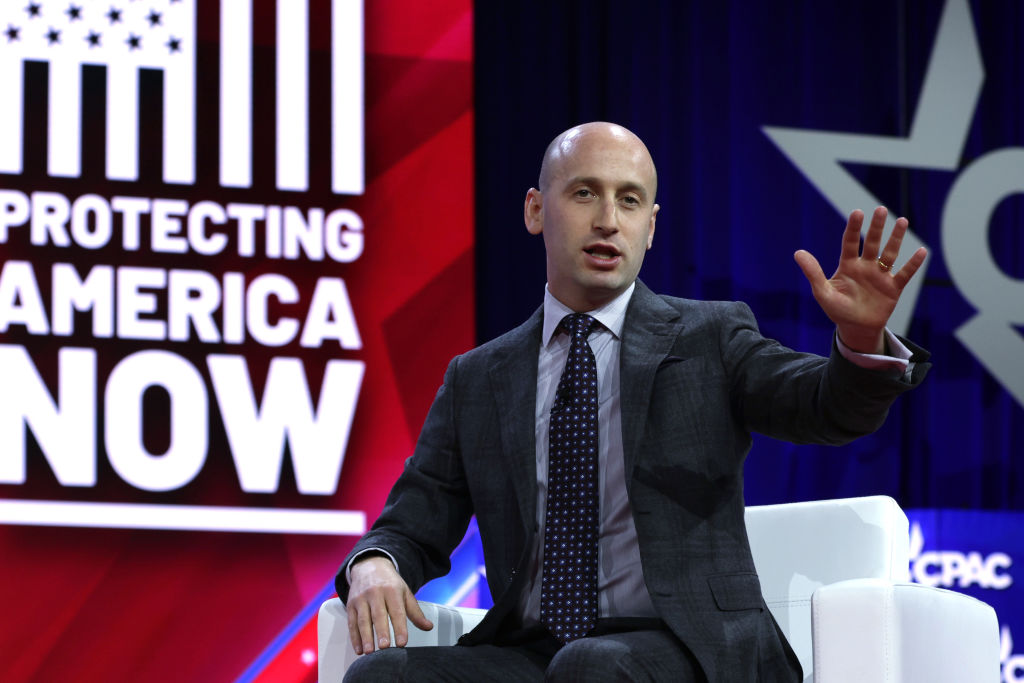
(180, 119)
(122, 121)
(292, 95)
(181, 517)
(65, 119)
(235, 94)
(11, 84)
(347, 97)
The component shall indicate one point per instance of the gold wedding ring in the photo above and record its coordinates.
(884, 266)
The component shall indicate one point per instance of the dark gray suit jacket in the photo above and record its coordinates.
(696, 379)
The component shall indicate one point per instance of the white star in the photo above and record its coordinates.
(945, 108)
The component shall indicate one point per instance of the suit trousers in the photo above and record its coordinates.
(613, 652)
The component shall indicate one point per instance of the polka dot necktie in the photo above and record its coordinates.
(568, 604)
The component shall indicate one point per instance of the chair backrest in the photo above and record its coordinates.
(799, 547)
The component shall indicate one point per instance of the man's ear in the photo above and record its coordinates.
(533, 213)
(650, 230)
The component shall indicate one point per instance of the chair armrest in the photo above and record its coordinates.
(335, 649)
(879, 631)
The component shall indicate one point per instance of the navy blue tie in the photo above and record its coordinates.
(568, 604)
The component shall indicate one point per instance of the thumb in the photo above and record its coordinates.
(811, 268)
(415, 614)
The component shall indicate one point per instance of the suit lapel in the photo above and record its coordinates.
(650, 330)
(513, 378)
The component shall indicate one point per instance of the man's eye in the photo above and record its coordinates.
(584, 192)
(630, 200)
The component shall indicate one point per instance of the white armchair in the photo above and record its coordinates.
(834, 573)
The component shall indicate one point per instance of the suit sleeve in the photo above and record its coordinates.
(429, 507)
(802, 397)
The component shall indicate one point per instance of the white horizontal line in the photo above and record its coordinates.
(182, 517)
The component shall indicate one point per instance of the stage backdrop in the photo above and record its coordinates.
(235, 255)
(769, 122)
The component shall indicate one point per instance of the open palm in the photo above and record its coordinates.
(862, 293)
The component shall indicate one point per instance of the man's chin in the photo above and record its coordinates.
(601, 290)
(607, 281)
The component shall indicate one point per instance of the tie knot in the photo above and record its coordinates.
(578, 324)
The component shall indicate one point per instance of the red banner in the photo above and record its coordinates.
(236, 254)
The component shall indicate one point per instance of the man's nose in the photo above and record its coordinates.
(607, 219)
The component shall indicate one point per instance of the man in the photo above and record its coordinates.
(615, 547)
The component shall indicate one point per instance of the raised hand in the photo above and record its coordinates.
(862, 293)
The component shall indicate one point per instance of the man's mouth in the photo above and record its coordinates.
(603, 252)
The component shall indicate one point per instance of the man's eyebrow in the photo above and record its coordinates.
(628, 186)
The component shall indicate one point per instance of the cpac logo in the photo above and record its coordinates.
(953, 569)
(938, 133)
(125, 38)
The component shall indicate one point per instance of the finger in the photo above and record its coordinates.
(892, 247)
(365, 623)
(910, 267)
(380, 622)
(396, 608)
(851, 236)
(353, 630)
(416, 615)
(874, 237)
(811, 268)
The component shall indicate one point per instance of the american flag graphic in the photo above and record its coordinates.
(125, 36)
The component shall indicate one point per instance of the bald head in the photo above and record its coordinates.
(595, 209)
(569, 142)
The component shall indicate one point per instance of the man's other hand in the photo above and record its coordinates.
(376, 592)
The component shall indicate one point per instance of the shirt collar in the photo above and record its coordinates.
(612, 315)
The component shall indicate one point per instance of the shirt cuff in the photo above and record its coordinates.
(348, 569)
(899, 358)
